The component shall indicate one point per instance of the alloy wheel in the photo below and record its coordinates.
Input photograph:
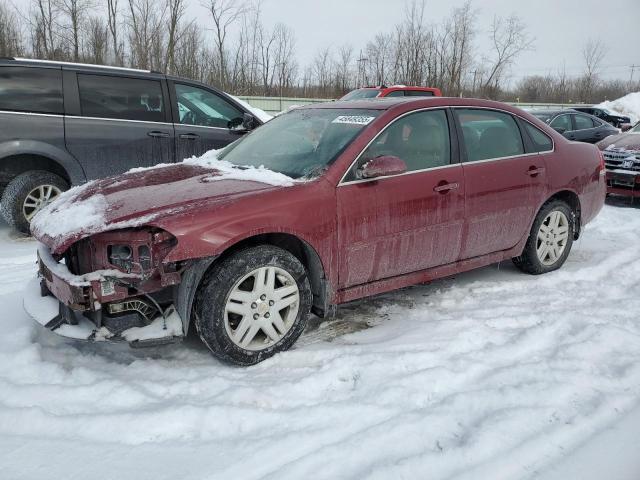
(552, 237)
(38, 198)
(261, 308)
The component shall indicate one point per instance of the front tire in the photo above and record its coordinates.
(550, 239)
(27, 194)
(253, 304)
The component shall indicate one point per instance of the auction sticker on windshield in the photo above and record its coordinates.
(354, 119)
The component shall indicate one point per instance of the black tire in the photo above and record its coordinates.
(529, 262)
(17, 190)
(218, 282)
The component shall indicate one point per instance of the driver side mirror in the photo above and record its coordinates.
(244, 124)
(383, 166)
(248, 121)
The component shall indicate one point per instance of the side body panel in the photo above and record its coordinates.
(399, 225)
(501, 200)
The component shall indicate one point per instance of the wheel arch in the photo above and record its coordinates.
(20, 156)
(298, 247)
(572, 199)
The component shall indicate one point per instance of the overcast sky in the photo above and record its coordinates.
(560, 27)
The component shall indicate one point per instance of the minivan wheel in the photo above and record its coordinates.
(550, 239)
(253, 304)
(27, 194)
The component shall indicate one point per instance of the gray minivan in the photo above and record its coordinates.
(62, 124)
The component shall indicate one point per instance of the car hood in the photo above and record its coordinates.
(622, 141)
(134, 199)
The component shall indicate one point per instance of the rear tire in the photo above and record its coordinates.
(550, 240)
(26, 194)
(253, 304)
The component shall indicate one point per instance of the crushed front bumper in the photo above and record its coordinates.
(623, 182)
(68, 305)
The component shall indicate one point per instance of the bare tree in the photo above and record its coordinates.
(11, 43)
(509, 38)
(343, 69)
(112, 16)
(593, 53)
(97, 41)
(74, 12)
(146, 34)
(176, 10)
(224, 14)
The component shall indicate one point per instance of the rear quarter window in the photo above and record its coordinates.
(541, 141)
(418, 93)
(27, 89)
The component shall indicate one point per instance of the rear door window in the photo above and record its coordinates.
(562, 122)
(396, 93)
(489, 134)
(26, 89)
(124, 98)
(583, 122)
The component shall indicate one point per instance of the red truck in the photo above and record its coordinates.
(322, 205)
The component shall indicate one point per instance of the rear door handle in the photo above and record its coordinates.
(189, 136)
(444, 187)
(157, 134)
(535, 171)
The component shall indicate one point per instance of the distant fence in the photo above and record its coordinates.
(278, 104)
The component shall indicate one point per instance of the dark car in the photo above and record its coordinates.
(62, 124)
(393, 91)
(579, 127)
(622, 159)
(322, 205)
(603, 114)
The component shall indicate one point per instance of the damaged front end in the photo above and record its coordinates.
(112, 286)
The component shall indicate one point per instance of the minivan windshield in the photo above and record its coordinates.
(301, 143)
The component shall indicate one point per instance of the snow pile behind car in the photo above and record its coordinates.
(628, 105)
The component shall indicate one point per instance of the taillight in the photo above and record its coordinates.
(602, 166)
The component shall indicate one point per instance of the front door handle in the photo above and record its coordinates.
(156, 134)
(189, 136)
(444, 187)
(535, 171)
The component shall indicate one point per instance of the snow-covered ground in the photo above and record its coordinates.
(493, 374)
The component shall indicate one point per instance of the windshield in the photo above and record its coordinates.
(636, 129)
(361, 93)
(301, 143)
(545, 117)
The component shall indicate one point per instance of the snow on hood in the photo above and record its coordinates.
(259, 113)
(86, 209)
(229, 171)
(628, 106)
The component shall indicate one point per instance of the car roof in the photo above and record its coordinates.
(55, 63)
(388, 103)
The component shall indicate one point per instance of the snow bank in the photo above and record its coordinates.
(257, 112)
(491, 374)
(629, 106)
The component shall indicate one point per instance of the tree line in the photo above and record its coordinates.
(232, 49)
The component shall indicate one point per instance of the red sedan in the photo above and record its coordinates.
(320, 206)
